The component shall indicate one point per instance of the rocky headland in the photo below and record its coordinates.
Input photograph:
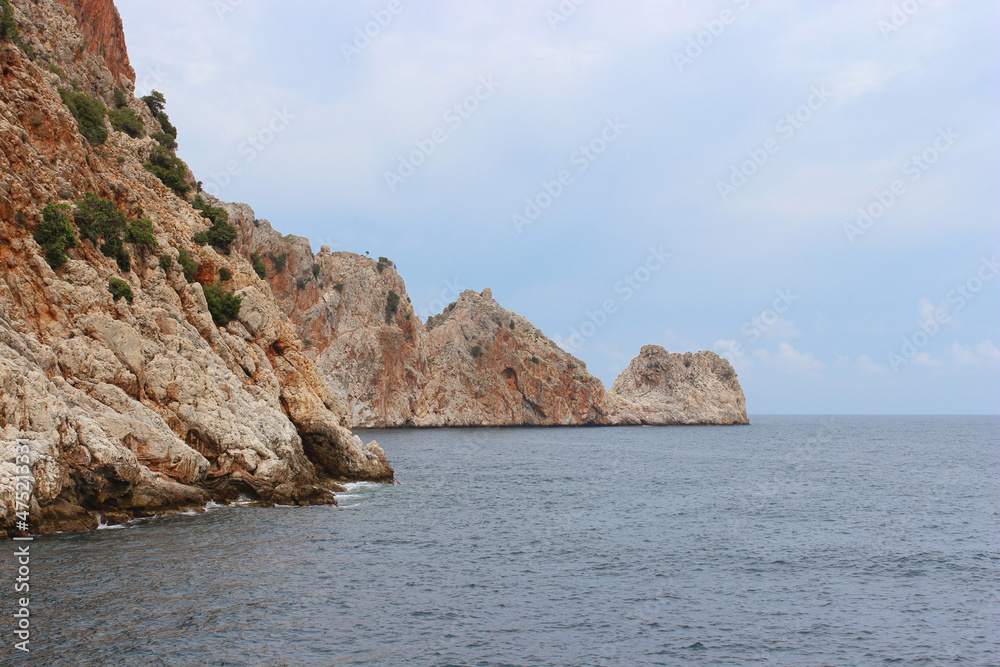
(129, 384)
(160, 348)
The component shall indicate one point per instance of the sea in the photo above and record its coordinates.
(797, 540)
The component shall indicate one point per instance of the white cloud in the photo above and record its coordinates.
(790, 361)
(730, 349)
(984, 352)
(869, 367)
(924, 359)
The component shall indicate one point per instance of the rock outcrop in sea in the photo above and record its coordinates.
(663, 388)
(128, 384)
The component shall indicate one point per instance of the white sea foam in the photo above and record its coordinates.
(102, 525)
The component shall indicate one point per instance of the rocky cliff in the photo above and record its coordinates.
(123, 392)
(665, 388)
(475, 364)
(101, 27)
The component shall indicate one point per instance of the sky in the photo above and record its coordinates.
(810, 189)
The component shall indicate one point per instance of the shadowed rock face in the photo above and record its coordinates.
(476, 364)
(130, 409)
(665, 388)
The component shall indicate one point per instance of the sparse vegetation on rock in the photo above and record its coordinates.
(127, 121)
(89, 114)
(188, 265)
(100, 222)
(391, 306)
(224, 306)
(221, 234)
(170, 169)
(55, 234)
(165, 140)
(258, 265)
(120, 290)
(8, 24)
(278, 261)
(141, 233)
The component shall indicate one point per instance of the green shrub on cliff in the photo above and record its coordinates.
(224, 306)
(165, 140)
(127, 121)
(55, 234)
(188, 265)
(141, 233)
(8, 24)
(391, 306)
(278, 261)
(89, 114)
(170, 169)
(97, 218)
(120, 290)
(155, 101)
(99, 221)
(221, 234)
(258, 265)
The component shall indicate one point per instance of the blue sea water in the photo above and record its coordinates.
(795, 541)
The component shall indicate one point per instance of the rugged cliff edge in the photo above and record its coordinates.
(475, 364)
(123, 392)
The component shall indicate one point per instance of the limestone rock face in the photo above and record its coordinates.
(489, 366)
(374, 361)
(475, 364)
(129, 409)
(665, 388)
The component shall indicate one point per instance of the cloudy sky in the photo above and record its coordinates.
(809, 188)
